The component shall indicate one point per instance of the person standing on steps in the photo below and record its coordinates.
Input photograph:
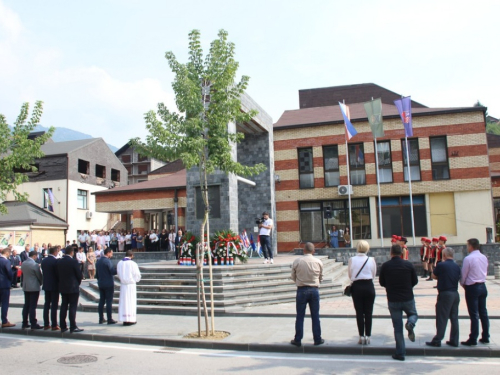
(474, 271)
(447, 274)
(31, 281)
(362, 270)
(334, 237)
(106, 284)
(265, 229)
(51, 289)
(307, 273)
(129, 275)
(398, 277)
(70, 278)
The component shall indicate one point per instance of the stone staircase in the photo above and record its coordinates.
(171, 289)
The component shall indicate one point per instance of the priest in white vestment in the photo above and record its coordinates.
(129, 274)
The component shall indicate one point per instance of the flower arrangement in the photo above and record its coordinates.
(226, 245)
(188, 245)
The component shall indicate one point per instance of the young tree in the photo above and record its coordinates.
(208, 98)
(18, 153)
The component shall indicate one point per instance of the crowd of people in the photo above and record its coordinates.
(59, 272)
(398, 276)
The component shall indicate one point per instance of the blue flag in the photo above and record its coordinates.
(349, 129)
(404, 108)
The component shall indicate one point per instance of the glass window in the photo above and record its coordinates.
(46, 198)
(81, 196)
(357, 164)
(331, 165)
(306, 168)
(439, 158)
(213, 201)
(414, 159)
(384, 161)
(396, 216)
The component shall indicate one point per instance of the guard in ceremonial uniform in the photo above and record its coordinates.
(432, 257)
(406, 254)
(439, 251)
(423, 256)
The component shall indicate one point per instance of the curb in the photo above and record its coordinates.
(482, 352)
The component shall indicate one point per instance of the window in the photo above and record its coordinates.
(143, 169)
(83, 166)
(142, 158)
(306, 168)
(81, 197)
(357, 164)
(315, 222)
(213, 201)
(331, 165)
(439, 158)
(396, 216)
(125, 158)
(414, 159)
(115, 175)
(48, 198)
(100, 171)
(384, 161)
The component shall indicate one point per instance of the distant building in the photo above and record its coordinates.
(138, 166)
(67, 176)
(449, 166)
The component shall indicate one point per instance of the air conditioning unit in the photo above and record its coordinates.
(89, 215)
(345, 189)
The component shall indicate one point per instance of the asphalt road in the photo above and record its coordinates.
(21, 355)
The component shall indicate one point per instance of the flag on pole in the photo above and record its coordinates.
(349, 129)
(51, 201)
(404, 108)
(373, 110)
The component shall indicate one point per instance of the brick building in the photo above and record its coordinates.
(138, 167)
(448, 159)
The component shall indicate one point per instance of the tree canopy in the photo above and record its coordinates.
(18, 152)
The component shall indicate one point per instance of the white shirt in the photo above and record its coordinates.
(264, 231)
(82, 238)
(355, 264)
(93, 237)
(153, 237)
(128, 239)
(81, 257)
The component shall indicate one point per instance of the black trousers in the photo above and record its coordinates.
(68, 302)
(51, 304)
(447, 308)
(106, 297)
(14, 277)
(29, 308)
(4, 301)
(363, 297)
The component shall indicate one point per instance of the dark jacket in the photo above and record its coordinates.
(105, 272)
(24, 255)
(50, 274)
(69, 274)
(5, 273)
(15, 261)
(398, 276)
(177, 240)
(32, 276)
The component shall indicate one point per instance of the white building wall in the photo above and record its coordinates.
(474, 213)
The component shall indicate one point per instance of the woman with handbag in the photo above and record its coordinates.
(362, 271)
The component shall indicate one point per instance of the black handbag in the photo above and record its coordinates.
(347, 290)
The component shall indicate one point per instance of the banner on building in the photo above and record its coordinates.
(373, 110)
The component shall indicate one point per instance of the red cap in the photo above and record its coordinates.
(443, 238)
(423, 239)
(399, 238)
(428, 240)
(395, 236)
(435, 239)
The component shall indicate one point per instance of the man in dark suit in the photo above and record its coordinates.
(69, 276)
(106, 283)
(31, 282)
(25, 254)
(177, 244)
(398, 276)
(15, 263)
(51, 289)
(5, 285)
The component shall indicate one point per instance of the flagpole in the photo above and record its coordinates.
(409, 184)
(379, 199)
(349, 191)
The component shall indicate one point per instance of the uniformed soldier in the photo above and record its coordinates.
(423, 256)
(406, 253)
(432, 256)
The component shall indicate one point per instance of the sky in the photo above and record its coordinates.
(99, 65)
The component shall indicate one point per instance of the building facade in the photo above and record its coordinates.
(138, 167)
(449, 168)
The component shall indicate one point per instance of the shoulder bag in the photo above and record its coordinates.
(347, 290)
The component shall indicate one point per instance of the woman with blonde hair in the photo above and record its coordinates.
(362, 270)
(91, 258)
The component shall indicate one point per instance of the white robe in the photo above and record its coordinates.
(129, 275)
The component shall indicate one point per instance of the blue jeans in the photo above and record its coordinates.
(396, 309)
(475, 296)
(307, 295)
(265, 243)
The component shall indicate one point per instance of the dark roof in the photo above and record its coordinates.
(26, 213)
(328, 96)
(64, 148)
(170, 168)
(121, 150)
(34, 135)
(333, 115)
(493, 140)
(172, 181)
(492, 119)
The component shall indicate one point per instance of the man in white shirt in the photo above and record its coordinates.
(129, 275)
(265, 229)
(82, 238)
(81, 258)
(171, 239)
(154, 241)
(93, 239)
